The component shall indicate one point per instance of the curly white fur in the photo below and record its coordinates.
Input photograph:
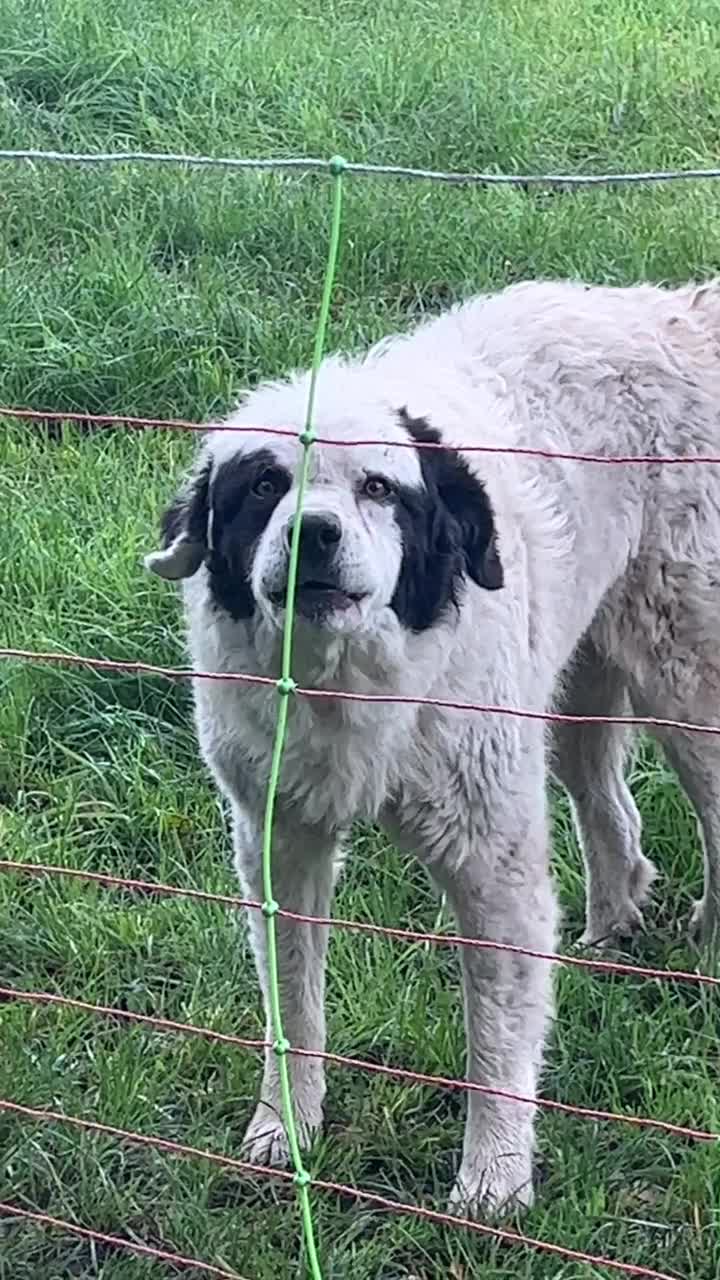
(610, 602)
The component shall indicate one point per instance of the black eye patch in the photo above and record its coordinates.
(245, 492)
(248, 476)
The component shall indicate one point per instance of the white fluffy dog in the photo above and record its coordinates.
(483, 578)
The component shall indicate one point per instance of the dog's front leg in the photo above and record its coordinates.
(304, 865)
(492, 862)
(508, 1002)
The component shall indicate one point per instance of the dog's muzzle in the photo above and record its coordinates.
(319, 590)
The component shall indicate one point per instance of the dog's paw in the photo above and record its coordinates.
(642, 878)
(266, 1140)
(604, 928)
(492, 1187)
(704, 928)
(621, 916)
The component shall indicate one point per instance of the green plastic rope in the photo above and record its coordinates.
(285, 687)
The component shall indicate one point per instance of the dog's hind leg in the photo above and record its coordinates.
(695, 757)
(589, 760)
(488, 851)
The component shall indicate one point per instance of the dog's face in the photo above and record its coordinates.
(381, 528)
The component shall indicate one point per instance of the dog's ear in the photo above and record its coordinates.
(471, 526)
(184, 527)
(464, 496)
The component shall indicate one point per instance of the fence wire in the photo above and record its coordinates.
(364, 926)
(398, 1074)
(44, 417)
(122, 1243)
(313, 164)
(343, 695)
(321, 1184)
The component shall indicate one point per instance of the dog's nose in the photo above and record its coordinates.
(319, 533)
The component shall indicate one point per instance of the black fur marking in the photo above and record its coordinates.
(188, 512)
(447, 530)
(239, 517)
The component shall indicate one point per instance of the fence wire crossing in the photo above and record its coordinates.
(286, 688)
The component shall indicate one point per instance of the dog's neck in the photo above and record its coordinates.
(363, 661)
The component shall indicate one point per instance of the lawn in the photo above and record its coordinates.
(162, 292)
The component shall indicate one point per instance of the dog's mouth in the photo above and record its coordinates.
(315, 596)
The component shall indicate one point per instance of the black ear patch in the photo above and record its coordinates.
(188, 512)
(448, 533)
(183, 529)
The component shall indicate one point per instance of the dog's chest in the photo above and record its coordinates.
(339, 758)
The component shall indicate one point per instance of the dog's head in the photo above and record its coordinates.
(381, 527)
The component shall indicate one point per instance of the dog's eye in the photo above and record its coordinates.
(268, 485)
(376, 487)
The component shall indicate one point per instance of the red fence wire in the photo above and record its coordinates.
(322, 1184)
(394, 1073)
(364, 926)
(117, 1242)
(342, 695)
(43, 417)
(398, 1074)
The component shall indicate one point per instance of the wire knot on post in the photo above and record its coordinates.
(285, 686)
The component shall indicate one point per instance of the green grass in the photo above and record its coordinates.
(162, 292)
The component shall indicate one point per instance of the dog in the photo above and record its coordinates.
(509, 580)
